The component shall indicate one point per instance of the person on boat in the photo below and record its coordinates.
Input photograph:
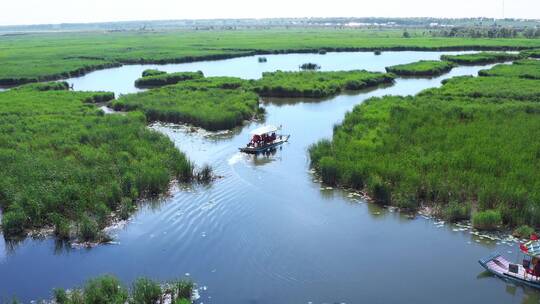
(536, 269)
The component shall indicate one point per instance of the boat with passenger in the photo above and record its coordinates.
(264, 138)
(527, 272)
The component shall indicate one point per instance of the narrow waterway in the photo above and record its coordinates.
(268, 232)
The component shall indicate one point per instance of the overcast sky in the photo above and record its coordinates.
(63, 11)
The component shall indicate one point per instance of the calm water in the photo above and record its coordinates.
(267, 232)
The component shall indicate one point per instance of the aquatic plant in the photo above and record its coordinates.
(489, 87)
(152, 72)
(523, 231)
(166, 79)
(108, 289)
(145, 291)
(72, 166)
(529, 69)
(310, 66)
(205, 174)
(421, 68)
(317, 84)
(468, 141)
(214, 104)
(105, 289)
(480, 58)
(487, 220)
(455, 211)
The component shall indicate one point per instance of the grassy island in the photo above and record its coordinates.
(463, 149)
(317, 84)
(67, 165)
(480, 58)
(155, 78)
(422, 68)
(495, 87)
(529, 69)
(212, 103)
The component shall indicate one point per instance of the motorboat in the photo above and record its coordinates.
(527, 272)
(264, 138)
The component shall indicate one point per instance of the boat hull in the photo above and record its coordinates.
(255, 150)
(499, 266)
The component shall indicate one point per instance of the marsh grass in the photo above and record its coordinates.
(108, 289)
(71, 166)
(487, 220)
(52, 56)
(465, 143)
(480, 58)
(310, 66)
(528, 69)
(317, 84)
(423, 68)
(162, 79)
(211, 103)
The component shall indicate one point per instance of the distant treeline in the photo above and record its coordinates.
(487, 32)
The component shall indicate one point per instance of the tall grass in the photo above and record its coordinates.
(212, 103)
(528, 69)
(65, 164)
(162, 79)
(108, 289)
(317, 84)
(466, 143)
(421, 68)
(480, 58)
(489, 87)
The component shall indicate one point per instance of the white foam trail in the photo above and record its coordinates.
(235, 159)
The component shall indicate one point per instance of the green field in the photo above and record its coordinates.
(421, 68)
(65, 164)
(480, 58)
(212, 103)
(317, 84)
(463, 148)
(32, 57)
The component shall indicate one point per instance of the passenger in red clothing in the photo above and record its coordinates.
(536, 270)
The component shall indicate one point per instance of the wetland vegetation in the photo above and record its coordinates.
(67, 165)
(480, 58)
(49, 56)
(310, 66)
(429, 68)
(529, 68)
(108, 289)
(463, 149)
(155, 78)
(317, 84)
(212, 103)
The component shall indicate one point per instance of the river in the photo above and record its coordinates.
(267, 231)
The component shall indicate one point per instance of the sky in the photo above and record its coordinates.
(17, 12)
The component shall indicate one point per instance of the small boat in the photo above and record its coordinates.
(263, 139)
(517, 273)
